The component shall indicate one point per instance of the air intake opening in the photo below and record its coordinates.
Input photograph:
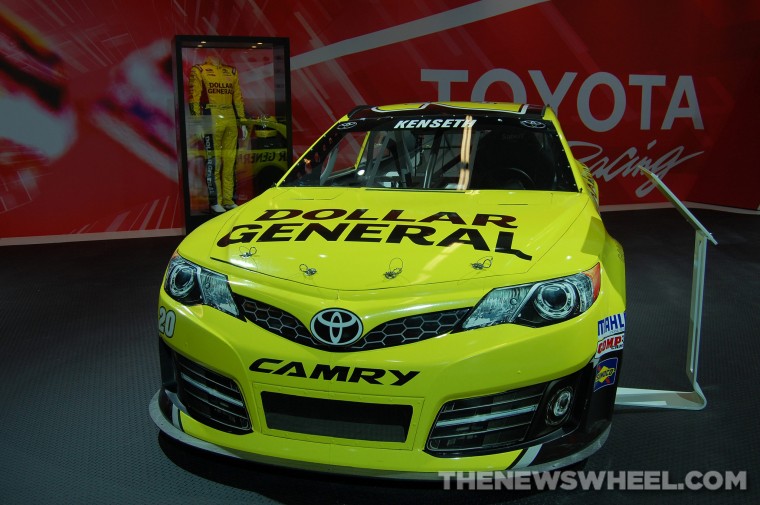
(337, 418)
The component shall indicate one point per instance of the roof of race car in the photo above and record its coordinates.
(448, 109)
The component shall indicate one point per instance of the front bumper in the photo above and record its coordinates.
(290, 440)
(270, 401)
(165, 415)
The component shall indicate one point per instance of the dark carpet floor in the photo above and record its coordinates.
(78, 366)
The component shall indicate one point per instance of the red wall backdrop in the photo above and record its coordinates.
(87, 139)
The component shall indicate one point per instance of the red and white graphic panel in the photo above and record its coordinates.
(87, 101)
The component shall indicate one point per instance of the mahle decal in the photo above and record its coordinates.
(611, 325)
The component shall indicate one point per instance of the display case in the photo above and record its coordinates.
(233, 115)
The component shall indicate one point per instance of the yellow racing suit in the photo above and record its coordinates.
(215, 90)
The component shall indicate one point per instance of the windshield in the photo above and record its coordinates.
(439, 154)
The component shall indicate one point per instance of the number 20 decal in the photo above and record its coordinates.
(166, 320)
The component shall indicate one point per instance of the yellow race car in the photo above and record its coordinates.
(429, 288)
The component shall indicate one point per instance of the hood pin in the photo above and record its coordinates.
(482, 263)
(308, 272)
(394, 272)
(247, 252)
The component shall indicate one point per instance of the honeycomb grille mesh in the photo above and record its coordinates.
(405, 330)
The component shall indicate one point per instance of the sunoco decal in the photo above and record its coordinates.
(360, 225)
(606, 372)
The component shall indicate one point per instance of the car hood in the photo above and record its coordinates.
(358, 238)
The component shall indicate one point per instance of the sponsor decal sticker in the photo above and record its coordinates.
(266, 156)
(606, 372)
(532, 124)
(166, 321)
(435, 123)
(611, 325)
(360, 225)
(339, 373)
(609, 344)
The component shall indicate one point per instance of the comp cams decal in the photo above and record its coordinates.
(340, 373)
(609, 344)
(610, 334)
(274, 225)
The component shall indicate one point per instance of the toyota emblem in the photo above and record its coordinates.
(336, 327)
(532, 124)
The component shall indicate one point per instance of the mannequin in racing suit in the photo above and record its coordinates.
(218, 85)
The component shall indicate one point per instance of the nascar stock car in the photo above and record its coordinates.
(429, 288)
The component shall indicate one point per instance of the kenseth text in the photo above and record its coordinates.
(388, 230)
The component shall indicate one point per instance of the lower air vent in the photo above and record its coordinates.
(484, 424)
(337, 418)
(210, 398)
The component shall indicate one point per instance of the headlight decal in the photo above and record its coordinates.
(191, 284)
(538, 304)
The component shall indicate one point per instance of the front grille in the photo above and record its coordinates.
(337, 418)
(210, 398)
(411, 329)
(405, 330)
(484, 424)
(277, 321)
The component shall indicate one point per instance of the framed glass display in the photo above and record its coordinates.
(234, 123)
